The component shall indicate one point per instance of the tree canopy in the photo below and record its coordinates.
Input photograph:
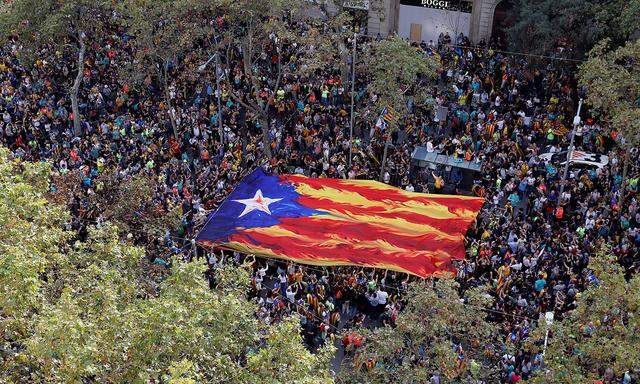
(539, 24)
(87, 311)
(601, 334)
(395, 82)
(68, 25)
(437, 332)
(164, 33)
(612, 82)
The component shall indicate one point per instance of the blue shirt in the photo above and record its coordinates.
(540, 284)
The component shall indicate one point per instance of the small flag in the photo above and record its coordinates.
(387, 116)
(561, 130)
(381, 124)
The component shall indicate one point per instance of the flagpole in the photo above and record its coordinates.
(353, 80)
(384, 155)
(576, 121)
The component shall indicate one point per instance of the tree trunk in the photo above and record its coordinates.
(384, 156)
(77, 128)
(167, 98)
(264, 121)
(623, 184)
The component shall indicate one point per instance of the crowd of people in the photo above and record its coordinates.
(531, 243)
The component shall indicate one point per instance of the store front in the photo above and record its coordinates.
(425, 20)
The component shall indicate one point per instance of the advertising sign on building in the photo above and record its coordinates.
(445, 5)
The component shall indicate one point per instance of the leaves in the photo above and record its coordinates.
(85, 312)
(612, 80)
(163, 31)
(284, 360)
(539, 24)
(57, 22)
(396, 80)
(602, 332)
(31, 235)
(431, 331)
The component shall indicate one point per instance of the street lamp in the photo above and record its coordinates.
(204, 66)
(576, 122)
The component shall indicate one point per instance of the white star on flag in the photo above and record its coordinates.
(258, 202)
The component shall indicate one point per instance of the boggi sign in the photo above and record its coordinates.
(435, 3)
(445, 5)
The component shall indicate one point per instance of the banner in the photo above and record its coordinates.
(342, 222)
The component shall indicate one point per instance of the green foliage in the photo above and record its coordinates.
(88, 312)
(398, 72)
(540, 23)
(183, 372)
(164, 31)
(253, 27)
(321, 53)
(66, 25)
(285, 360)
(602, 332)
(62, 24)
(128, 204)
(56, 22)
(435, 319)
(233, 280)
(30, 239)
(612, 80)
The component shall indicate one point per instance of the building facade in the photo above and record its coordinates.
(424, 20)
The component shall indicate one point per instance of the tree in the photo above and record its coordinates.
(398, 72)
(31, 238)
(539, 24)
(67, 25)
(612, 80)
(330, 50)
(433, 331)
(164, 32)
(601, 333)
(128, 203)
(79, 312)
(257, 43)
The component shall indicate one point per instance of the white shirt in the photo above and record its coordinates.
(381, 297)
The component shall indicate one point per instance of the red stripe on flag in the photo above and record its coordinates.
(388, 193)
(344, 242)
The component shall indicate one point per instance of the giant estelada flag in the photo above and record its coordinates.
(342, 222)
